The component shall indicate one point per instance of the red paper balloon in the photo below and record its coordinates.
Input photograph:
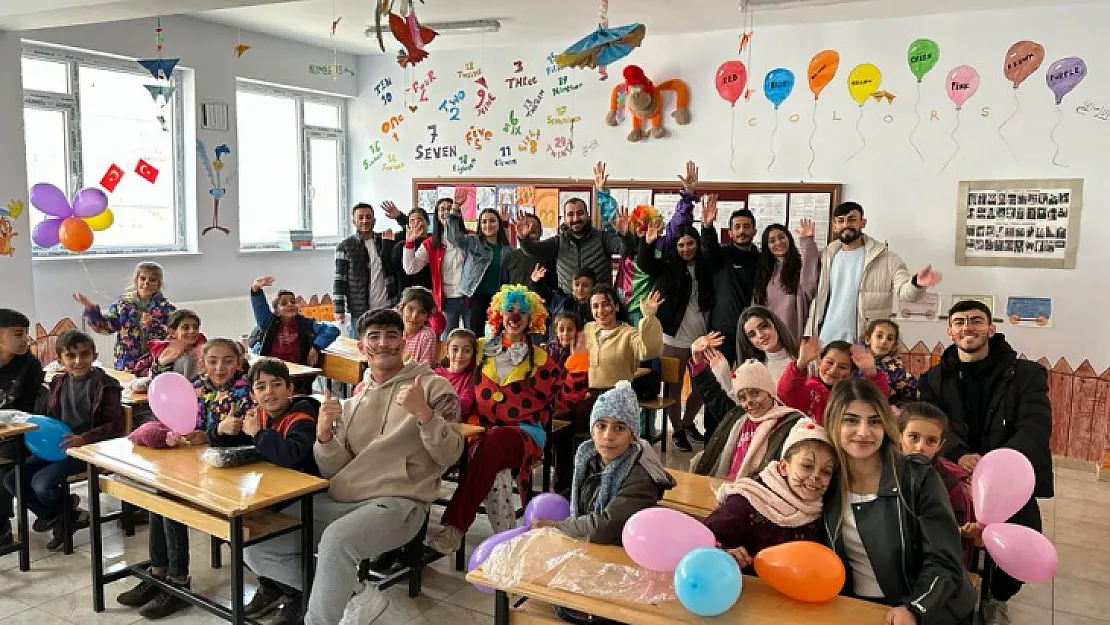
(732, 78)
(75, 235)
(802, 570)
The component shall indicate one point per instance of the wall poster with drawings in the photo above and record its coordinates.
(1019, 223)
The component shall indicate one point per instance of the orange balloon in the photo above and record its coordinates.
(822, 69)
(75, 235)
(806, 571)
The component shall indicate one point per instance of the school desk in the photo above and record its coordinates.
(759, 604)
(13, 452)
(233, 504)
(693, 494)
(341, 361)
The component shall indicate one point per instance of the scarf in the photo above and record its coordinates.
(614, 473)
(770, 495)
(757, 446)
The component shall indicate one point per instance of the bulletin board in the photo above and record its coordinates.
(771, 202)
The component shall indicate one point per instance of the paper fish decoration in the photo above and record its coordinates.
(161, 69)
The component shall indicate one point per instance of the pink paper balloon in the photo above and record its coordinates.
(89, 202)
(174, 402)
(1024, 554)
(962, 83)
(658, 538)
(1001, 485)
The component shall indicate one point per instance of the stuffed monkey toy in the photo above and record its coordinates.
(644, 100)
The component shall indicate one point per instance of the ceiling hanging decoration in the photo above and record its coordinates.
(604, 46)
(161, 69)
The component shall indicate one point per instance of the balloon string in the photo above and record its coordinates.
(862, 139)
(732, 139)
(813, 133)
(1017, 105)
(91, 282)
(774, 133)
(1052, 135)
(917, 124)
(952, 136)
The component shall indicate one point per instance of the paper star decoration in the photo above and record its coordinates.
(241, 49)
(879, 95)
(15, 208)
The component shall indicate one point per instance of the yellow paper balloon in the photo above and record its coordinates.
(864, 81)
(101, 222)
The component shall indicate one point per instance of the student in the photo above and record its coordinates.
(180, 353)
(481, 269)
(283, 429)
(755, 424)
(222, 392)
(87, 400)
(881, 338)
(924, 429)
(734, 268)
(282, 332)
(786, 278)
(616, 348)
(462, 349)
(839, 360)
(445, 261)
(21, 379)
(779, 505)
(888, 518)
(416, 307)
(579, 301)
(564, 333)
(762, 336)
(415, 234)
(139, 315)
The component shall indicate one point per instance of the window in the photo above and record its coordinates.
(292, 165)
(85, 113)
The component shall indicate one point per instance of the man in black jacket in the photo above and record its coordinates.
(365, 275)
(993, 400)
(733, 271)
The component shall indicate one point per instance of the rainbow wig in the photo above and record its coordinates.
(526, 301)
(643, 215)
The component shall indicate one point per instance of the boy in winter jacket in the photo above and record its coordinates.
(21, 378)
(283, 332)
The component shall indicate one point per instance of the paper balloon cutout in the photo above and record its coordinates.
(731, 79)
(46, 442)
(1064, 75)
(777, 85)
(863, 81)
(962, 83)
(1022, 59)
(822, 69)
(65, 223)
(923, 56)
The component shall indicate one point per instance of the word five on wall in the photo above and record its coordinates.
(389, 126)
(420, 87)
(475, 137)
(451, 105)
(382, 90)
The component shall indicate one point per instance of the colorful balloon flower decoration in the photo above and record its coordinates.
(69, 224)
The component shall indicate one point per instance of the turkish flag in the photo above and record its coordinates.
(147, 171)
(111, 178)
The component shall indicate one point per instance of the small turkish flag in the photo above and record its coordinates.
(111, 178)
(147, 171)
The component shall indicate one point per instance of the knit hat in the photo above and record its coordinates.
(753, 374)
(618, 403)
(805, 429)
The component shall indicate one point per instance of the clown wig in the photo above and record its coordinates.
(518, 296)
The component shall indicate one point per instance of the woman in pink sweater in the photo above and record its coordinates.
(786, 278)
(839, 361)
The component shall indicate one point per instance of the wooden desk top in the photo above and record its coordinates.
(759, 604)
(295, 370)
(123, 377)
(693, 494)
(345, 347)
(181, 472)
(15, 429)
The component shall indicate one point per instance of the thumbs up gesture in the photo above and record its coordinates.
(412, 398)
(330, 411)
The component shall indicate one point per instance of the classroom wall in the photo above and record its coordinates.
(910, 202)
(15, 254)
(217, 269)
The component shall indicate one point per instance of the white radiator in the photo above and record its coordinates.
(228, 318)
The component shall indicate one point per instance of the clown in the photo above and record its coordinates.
(644, 100)
(517, 388)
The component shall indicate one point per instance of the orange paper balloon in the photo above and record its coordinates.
(802, 570)
(75, 235)
(822, 69)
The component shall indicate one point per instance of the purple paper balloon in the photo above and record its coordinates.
(482, 553)
(46, 233)
(50, 200)
(1064, 75)
(1024, 554)
(547, 506)
(89, 202)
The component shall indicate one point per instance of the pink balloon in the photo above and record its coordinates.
(1001, 485)
(658, 538)
(962, 83)
(1024, 554)
(174, 402)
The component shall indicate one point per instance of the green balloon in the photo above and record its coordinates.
(923, 57)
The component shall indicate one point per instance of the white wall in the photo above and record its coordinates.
(909, 203)
(15, 270)
(220, 270)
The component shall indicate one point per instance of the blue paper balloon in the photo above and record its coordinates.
(777, 85)
(708, 581)
(46, 442)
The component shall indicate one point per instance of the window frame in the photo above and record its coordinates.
(70, 103)
(305, 133)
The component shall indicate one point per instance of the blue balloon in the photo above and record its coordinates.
(46, 442)
(777, 85)
(708, 581)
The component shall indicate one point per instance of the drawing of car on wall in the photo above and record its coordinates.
(925, 307)
(1035, 309)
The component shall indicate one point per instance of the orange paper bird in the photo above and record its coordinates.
(746, 39)
(879, 95)
(412, 36)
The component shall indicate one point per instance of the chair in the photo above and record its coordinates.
(408, 563)
(670, 373)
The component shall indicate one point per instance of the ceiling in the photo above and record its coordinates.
(34, 14)
(544, 21)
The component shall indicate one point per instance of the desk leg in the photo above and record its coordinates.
(237, 616)
(308, 551)
(500, 608)
(24, 530)
(96, 539)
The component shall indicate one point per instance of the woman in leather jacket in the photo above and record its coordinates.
(888, 517)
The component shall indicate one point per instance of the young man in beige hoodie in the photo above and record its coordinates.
(384, 451)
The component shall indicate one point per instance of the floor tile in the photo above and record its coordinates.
(1063, 618)
(1038, 595)
(447, 613)
(1078, 533)
(1090, 512)
(1086, 562)
(1024, 614)
(9, 607)
(77, 607)
(33, 617)
(472, 599)
(48, 579)
(1082, 597)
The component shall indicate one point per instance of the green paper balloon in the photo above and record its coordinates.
(923, 57)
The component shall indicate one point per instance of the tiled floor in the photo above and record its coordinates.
(57, 591)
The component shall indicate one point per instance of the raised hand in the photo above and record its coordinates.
(601, 179)
(863, 359)
(171, 353)
(690, 180)
(412, 399)
(707, 342)
(805, 228)
(538, 273)
(503, 213)
(709, 209)
(927, 277)
(460, 197)
(388, 235)
(579, 345)
(261, 283)
(330, 411)
(620, 221)
(84, 301)
(809, 349)
(412, 234)
(650, 304)
(390, 209)
(651, 235)
(714, 356)
(521, 228)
